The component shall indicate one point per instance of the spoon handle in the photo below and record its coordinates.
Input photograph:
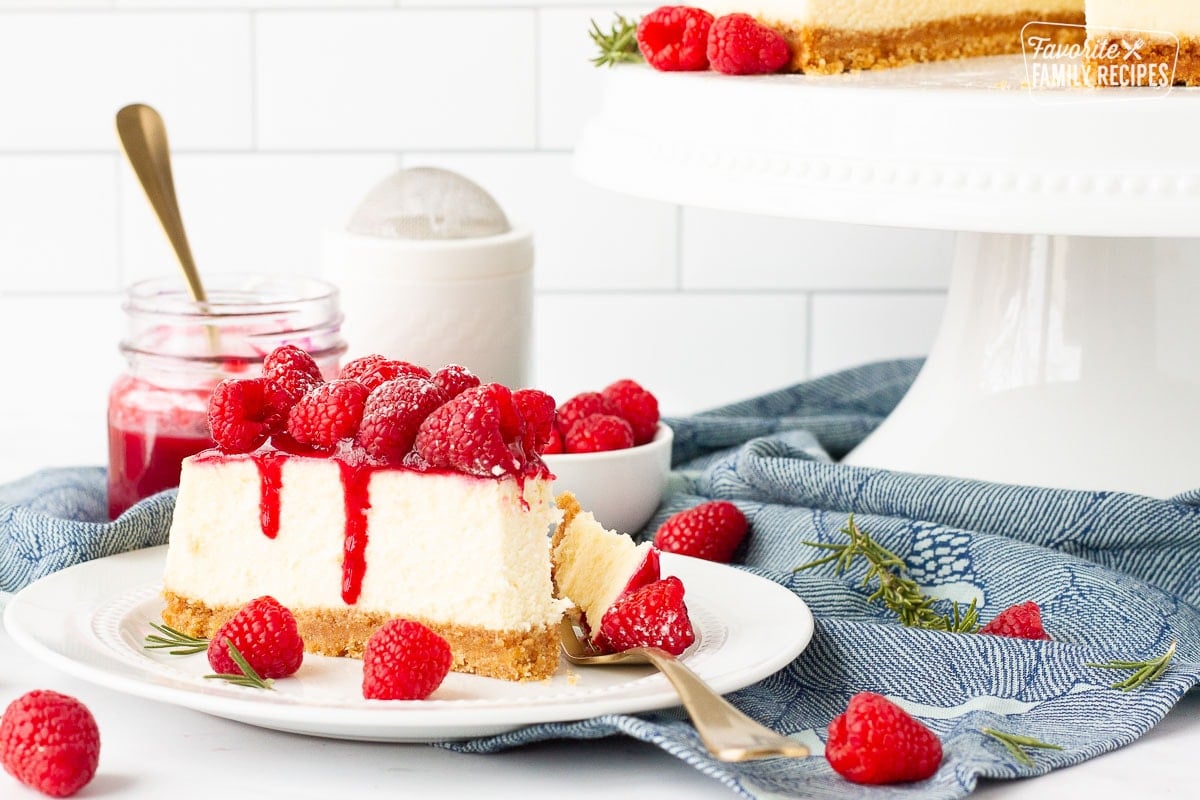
(144, 139)
(729, 734)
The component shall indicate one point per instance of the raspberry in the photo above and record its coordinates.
(243, 412)
(454, 379)
(392, 415)
(581, 405)
(472, 433)
(598, 433)
(293, 371)
(738, 44)
(50, 741)
(328, 413)
(375, 370)
(554, 442)
(289, 358)
(636, 406)
(265, 633)
(404, 660)
(283, 441)
(1022, 621)
(876, 741)
(711, 531)
(673, 38)
(537, 409)
(652, 616)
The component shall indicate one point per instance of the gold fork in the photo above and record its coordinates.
(727, 733)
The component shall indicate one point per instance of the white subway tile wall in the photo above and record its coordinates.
(282, 113)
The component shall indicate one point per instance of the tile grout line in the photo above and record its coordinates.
(255, 117)
(119, 220)
(679, 249)
(537, 80)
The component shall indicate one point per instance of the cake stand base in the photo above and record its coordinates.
(1063, 361)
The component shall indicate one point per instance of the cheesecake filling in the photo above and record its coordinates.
(1180, 17)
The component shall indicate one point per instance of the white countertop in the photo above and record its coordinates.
(151, 750)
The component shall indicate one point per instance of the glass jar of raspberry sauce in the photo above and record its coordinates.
(177, 350)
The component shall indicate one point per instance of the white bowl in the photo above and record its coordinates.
(622, 488)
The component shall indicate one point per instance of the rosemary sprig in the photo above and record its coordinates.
(896, 590)
(618, 45)
(1016, 744)
(168, 637)
(249, 676)
(1144, 671)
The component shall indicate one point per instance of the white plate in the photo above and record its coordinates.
(90, 621)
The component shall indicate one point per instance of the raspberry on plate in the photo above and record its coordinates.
(50, 741)
(598, 433)
(329, 413)
(636, 406)
(478, 432)
(1023, 621)
(738, 44)
(652, 616)
(393, 413)
(674, 38)
(404, 660)
(264, 632)
(242, 413)
(875, 741)
(711, 531)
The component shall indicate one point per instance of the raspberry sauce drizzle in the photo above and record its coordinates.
(355, 480)
(270, 481)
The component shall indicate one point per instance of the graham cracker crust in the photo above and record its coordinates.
(569, 507)
(1187, 67)
(828, 51)
(508, 655)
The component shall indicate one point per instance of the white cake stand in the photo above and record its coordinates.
(1069, 353)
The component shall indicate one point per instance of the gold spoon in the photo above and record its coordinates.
(144, 139)
(728, 734)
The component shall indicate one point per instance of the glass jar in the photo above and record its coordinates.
(177, 350)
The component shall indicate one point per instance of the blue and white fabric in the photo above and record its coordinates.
(1117, 577)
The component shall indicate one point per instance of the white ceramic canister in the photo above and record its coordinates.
(431, 272)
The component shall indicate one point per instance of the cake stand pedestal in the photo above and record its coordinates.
(1069, 352)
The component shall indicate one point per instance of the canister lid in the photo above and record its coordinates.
(427, 203)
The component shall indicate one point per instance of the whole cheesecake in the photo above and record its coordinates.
(387, 493)
(832, 36)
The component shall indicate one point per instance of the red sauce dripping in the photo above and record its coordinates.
(355, 480)
(270, 482)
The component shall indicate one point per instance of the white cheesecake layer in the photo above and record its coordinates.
(1181, 17)
(875, 15)
(443, 547)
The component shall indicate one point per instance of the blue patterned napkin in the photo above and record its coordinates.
(1117, 577)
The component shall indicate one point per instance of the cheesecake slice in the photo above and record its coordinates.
(348, 545)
